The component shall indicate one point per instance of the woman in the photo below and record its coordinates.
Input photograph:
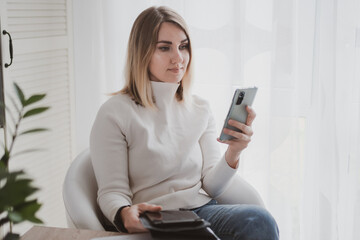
(153, 145)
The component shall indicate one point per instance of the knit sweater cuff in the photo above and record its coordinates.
(118, 220)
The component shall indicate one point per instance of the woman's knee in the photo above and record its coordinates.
(256, 223)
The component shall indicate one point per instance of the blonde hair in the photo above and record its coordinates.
(141, 46)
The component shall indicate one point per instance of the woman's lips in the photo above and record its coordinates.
(175, 70)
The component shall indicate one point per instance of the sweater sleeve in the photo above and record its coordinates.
(216, 173)
(109, 155)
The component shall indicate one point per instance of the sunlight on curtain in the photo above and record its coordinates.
(331, 190)
(304, 55)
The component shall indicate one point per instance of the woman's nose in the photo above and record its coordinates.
(176, 57)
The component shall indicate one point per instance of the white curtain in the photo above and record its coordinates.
(304, 55)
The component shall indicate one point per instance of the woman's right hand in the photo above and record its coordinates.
(130, 216)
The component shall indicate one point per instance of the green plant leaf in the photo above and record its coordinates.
(34, 98)
(34, 130)
(15, 190)
(5, 158)
(35, 111)
(12, 236)
(15, 217)
(3, 173)
(2, 168)
(20, 94)
(6, 178)
(27, 210)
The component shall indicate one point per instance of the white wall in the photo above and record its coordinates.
(96, 73)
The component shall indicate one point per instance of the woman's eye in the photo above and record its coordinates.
(184, 46)
(164, 48)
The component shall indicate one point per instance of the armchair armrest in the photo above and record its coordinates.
(240, 192)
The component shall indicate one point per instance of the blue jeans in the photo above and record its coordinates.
(239, 222)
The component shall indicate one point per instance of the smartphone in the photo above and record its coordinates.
(242, 97)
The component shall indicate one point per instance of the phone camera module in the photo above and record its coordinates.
(240, 98)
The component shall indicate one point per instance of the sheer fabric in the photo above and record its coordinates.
(305, 58)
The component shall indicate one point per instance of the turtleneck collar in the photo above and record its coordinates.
(164, 92)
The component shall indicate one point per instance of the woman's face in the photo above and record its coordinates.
(171, 57)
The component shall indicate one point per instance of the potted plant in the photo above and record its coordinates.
(16, 189)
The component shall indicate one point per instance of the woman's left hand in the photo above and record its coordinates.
(242, 139)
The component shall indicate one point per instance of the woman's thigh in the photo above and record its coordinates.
(240, 222)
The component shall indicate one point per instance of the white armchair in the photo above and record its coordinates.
(240, 192)
(80, 194)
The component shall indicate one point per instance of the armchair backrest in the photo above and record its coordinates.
(80, 195)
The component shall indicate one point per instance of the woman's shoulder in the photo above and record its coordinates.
(198, 101)
(117, 103)
(200, 105)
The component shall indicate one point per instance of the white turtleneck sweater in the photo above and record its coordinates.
(164, 156)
